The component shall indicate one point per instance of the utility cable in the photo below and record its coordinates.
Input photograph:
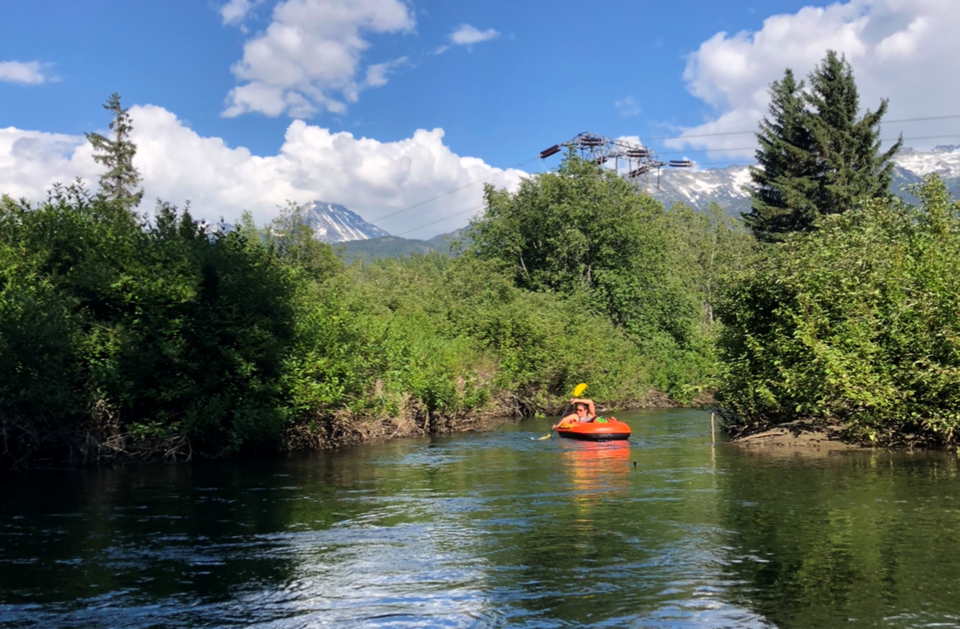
(680, 152)
(722, 133)
(752, 148)
(445, 218)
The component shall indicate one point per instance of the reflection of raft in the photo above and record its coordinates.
(609, 430)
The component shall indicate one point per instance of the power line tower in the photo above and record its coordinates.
(633, 161)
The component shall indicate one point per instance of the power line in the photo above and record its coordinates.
(752, 148)
(680, 152)
(723, 133)
(445, 218)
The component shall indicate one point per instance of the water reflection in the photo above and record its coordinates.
(490, 530)
(870, 537)
(597, 470)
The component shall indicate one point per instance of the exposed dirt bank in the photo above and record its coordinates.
(104, 443)
(345, 430)
(796, 436)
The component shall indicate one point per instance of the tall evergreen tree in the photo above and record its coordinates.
(785, 178)
(852, 167)
(119, 182)
(816, 157)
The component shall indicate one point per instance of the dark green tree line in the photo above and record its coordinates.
(149, 337)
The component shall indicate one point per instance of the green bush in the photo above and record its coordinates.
(858, 321)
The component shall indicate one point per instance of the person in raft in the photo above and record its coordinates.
(584, 410)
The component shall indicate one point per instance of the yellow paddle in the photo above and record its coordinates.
(577, 392)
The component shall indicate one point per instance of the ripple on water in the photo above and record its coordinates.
(495, 530)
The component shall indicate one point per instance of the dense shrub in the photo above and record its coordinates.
(173, 337)
(451, 334)
(859, 321)
(587, 234)
(123, 336)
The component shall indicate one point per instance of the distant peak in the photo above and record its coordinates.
(332, 222)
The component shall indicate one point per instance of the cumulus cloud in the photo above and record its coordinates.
(374, 179)
(32, 161)
(28, 73)
(308, 59)
(466, 35)
(903, 50)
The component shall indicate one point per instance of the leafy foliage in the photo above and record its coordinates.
(588, 234)
(856, 321)
(169, 338)
(291, 238)
(163, 339)
(452, 334)
(161, 328)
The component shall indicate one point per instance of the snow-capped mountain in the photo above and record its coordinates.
(726, 185)
(334, 223)
(943, 160)
(697, 188)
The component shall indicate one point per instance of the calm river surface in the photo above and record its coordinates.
(492, 529)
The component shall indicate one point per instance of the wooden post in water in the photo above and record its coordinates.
(713, 435)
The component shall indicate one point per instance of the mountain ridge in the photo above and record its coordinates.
(334, 223)
(698, 188)
(359, 239)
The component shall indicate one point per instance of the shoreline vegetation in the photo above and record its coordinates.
(128, 338)
(831, 311)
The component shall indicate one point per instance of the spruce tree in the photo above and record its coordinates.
(816, 157)
(785, 178)
(120, 181)
(852, 167)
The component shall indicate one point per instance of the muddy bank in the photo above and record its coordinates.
(346, 430)
(798, 435)
(104, 443)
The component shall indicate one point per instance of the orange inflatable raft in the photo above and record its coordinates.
(611, 429)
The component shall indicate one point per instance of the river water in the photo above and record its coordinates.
(494, 529)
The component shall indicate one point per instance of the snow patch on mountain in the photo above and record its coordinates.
(729, 187)
(332, 223)
(944, 160)
(699, 188)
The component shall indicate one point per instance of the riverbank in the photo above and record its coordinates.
(105, 443)
(799, 435)
(346, 430)
(829, 436)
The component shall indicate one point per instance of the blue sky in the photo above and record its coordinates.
(385, 105)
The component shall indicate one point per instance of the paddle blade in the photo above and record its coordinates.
(546, 436)
(577, 392)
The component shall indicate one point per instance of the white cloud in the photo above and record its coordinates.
(903, 50)
(377, 73)
(30, 72)
(372, 178)
(32, 161)
(628, 106)
(308, 58)
(235, 12)
(466, 35)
